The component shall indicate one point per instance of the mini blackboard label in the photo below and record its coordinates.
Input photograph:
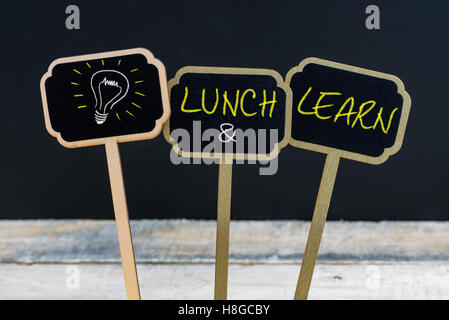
(355, 113)
(88, 99)
(228, 111)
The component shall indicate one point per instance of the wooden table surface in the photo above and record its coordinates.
(80, 259)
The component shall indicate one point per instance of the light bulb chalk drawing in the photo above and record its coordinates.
(105, 81)
(108, 87)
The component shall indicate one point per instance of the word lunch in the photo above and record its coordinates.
(238, 105)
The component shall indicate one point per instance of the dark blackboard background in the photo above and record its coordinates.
(41, 179)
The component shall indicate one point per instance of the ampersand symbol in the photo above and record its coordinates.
(226, 130)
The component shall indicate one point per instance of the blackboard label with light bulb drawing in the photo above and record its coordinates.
(88, 99)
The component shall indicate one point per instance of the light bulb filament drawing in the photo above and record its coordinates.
(111, 83)
(108, 87)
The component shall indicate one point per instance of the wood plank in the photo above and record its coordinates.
(39, 241)
(401, 280)
(358, 260)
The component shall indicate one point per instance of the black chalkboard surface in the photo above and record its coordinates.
(245, 111)
(87, 98)
(357, 113)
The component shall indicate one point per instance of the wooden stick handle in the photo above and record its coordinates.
(223, 223)
(317, 226)
(122, 221)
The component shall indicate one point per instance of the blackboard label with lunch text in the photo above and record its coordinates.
(239, 112)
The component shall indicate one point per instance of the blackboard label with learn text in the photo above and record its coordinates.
(356, 113)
